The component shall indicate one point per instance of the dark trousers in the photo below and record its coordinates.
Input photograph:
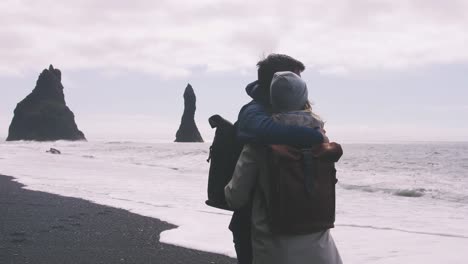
(240, 227)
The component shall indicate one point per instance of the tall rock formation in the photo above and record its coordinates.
(188, 131)
(43, 115)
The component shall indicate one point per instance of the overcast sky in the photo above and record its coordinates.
(377, 70)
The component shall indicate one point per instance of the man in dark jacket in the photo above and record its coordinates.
(255, 125)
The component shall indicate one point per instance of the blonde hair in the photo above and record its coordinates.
(308, 107)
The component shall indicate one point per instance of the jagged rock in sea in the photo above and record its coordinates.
(43, 115)
(188, 131)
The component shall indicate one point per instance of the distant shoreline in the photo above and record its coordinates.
(209, 141)
(38, 227)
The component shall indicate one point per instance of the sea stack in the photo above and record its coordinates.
(188, 131)
(43, 115)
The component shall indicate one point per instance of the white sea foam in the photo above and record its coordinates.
(411, 192)
(392, 204)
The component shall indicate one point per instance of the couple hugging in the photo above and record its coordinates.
(280, 120)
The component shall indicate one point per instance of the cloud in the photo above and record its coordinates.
(170, 38)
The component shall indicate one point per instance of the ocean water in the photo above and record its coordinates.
(396, 203)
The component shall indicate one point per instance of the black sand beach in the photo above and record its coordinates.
(38, 227)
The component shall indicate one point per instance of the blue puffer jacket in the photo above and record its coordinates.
(255, 124)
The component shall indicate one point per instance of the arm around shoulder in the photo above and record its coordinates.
(255, 125)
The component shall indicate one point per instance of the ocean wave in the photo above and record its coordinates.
(404, 230)
(418, 192)
(118, 142)
(410, 192)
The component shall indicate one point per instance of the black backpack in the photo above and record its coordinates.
(224, 153)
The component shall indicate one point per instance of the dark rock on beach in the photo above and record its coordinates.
(188, 131)
(43, 115)
(53, 151)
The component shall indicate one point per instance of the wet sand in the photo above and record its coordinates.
(38, 227)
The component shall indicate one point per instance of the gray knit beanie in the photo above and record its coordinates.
(288, 92)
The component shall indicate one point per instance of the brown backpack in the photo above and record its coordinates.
(302, 185)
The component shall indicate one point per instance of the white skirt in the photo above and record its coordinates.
(315, 248)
